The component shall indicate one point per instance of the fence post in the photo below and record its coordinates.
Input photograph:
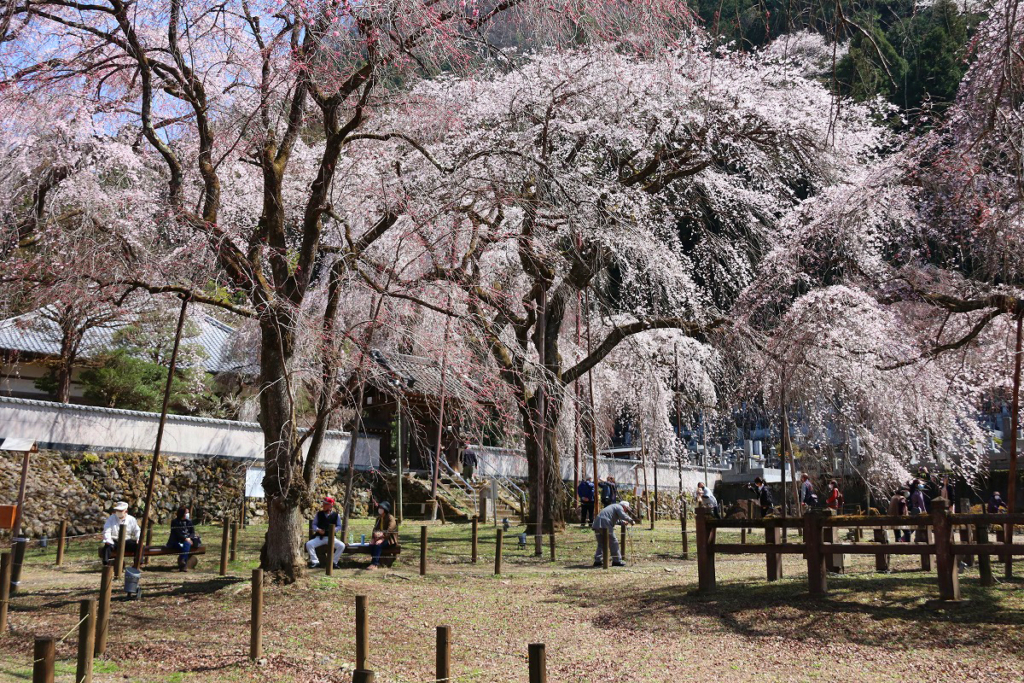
(817, 577)
(773, 536)
(965, 531)
(984, 559)
(234, 542)
(256, 616)
(225, 529)
(476, 536)
(362, 676)
(43, 656)
(103, 611)
(61, 540)
(622, 542)
(362, 631)
(423, 550)
(945, 562)
(5, 589)
(149, 532)
(651, 512)
(497, 552)
(1008, 557)
(881, 559)
(606, 547)
(686, 535)
(329, 569)
(119, 556)
(552, 542)
(482, 506)
(705, 552)
(443, 660)
(86, 640)
(538, 663)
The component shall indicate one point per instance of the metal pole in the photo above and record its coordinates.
(160, 429)
(593, 411)
(542, 399)
(1011, 486)
(398, 486)
(440, 417)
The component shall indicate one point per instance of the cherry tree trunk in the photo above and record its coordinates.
(554, 488)
(283, 484)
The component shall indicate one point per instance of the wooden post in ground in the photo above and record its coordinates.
(329, 569)
(443, 660)
(773, 536)
(984, 559)
(881, 559)
(362, 676)
(606, 548)
(423, 550)
(1008, 557)
(234, 543)
(497, 552)
(686, 536)
(256, 616)
(482, 506)
(817, 576)
(103, 611)
(926, 559)
(86, 640)
(945, 561)
(62, 536)
(44, 655)
(225, 530)
(552, 542)
(622, 541)
(149, 534)
(5, 589)
(965, 531)
(652, 512)
(538, 663)
(362, 631)
(119, 556)
(705, 552)
(476, 537)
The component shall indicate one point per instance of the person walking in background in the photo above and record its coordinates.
(111, 530)
(609, 491)
(764, 497)
(898, 507)
(707, 499)
(918, 507)
(996, 504)
(807, 496)
(585, 491)
(469, 463)
(609, 518)
(835, 497)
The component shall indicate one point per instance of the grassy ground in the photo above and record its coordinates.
(638, 623)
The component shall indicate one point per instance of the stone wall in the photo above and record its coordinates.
(82, 487)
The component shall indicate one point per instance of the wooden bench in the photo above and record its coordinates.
(387, 557)
(162, 550)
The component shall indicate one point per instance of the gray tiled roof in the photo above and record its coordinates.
(425, 376)
(35, 333)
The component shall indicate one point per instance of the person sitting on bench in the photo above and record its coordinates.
(383, 533)
(111, 529)
(183, 536)
(325, 518)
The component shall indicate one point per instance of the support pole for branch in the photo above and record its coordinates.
(5, 589)
(225, 530)
(1011, 486)
(440, 417)
(497, 552)
(476, 537)
(155, 464)
(234, 542)
(423, 550)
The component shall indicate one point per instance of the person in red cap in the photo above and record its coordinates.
(324, 518)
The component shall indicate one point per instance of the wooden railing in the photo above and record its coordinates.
(819, 544)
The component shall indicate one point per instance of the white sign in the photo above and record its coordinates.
(254, 482)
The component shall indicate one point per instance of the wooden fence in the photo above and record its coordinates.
(820, 543)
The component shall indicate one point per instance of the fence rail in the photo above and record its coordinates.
(820, 546)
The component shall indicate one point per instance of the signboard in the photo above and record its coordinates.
(254, 482)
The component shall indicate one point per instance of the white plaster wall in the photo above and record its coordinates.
(62, 425)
